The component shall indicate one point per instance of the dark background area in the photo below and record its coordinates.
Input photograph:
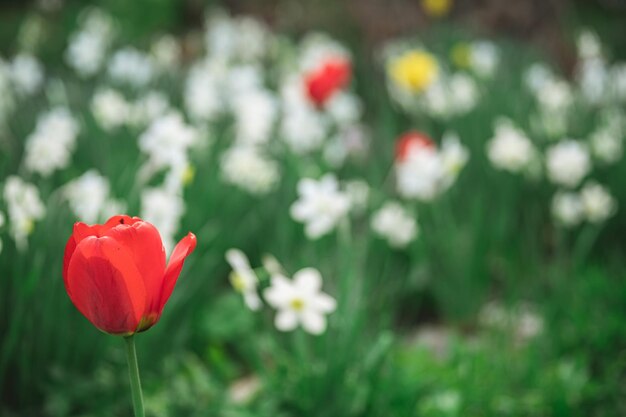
(368, 23)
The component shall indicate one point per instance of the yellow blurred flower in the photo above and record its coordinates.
(29, 226)
(461, 55)
(188, 174)
(437, 8)
(414, 70)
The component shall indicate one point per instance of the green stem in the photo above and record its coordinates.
(133, 373)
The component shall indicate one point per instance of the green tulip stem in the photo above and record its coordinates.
(133, 373)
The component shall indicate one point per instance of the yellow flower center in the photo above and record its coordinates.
(29, 226)
(188, 174)
(414, 70)
(461, 55)
(297, 304)
(436, 8)
(237, 282)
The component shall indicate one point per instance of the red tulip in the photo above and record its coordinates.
(116, 275)
(410, 142)
(326, 80)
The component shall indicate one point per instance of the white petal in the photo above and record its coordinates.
(280, 293)
(244, 280)
(286, 320)
(318, 227)
(324, 303)
(307, 186)
(329, 183)
(308, 280)
(301, 211)
(237, 259)
(252, 300)
(313, 322)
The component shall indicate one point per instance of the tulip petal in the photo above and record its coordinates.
(83, 231)
(105, 285)
(144, 245)
(175, 265)
(120, 219)
(70, 247)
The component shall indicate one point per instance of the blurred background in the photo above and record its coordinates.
(453, 169)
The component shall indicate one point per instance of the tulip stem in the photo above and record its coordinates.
(133, 373)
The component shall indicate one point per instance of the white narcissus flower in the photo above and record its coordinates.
(300, 301)
(149, 107)
(395, 224)
(167, 140)
(484, 58)
(243, 279)
(528, 323)
(423, 172)
(244, 389)
(318, 47)
(248, 168)
(463, 93)
(321, 205)
(588, 45)
(607, 146)
(537, 76)
(454, 156)
(87, 195)
(239, 80)
(271, 264)
(240, 38)
(163, 208)
(359, 191)
(255, 111)
(109, 108)
(420, 175)
(87, 47)
(555, 96)
(567, 163)
(27, 73)
(451, 95)
(24, 208)
(85, 52)
(131, 66)
(598, 204)
(50, 146)
(220, 36)
(344, 108)
(202, 95)
(593, 80)
(567, 208)
(302, 127)
(510, 149)
(166, 52)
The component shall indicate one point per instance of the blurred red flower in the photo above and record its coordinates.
(323, 82)
(116, 274)
(410, 142)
